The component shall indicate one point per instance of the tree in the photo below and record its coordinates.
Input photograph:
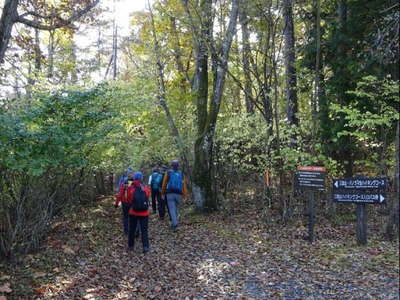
(207, 110)
(45, 17)
(290, 57)
(246, 52)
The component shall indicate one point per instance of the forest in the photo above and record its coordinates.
(244, 94)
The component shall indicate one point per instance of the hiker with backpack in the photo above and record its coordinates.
(124, 177)
(174, 188)
(155, 181)
(139, 212)
(124, 196)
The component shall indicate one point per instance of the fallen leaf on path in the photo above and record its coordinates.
(40, 291)
(5, 288)
(68, 250)
(157, 289)
(39, 274)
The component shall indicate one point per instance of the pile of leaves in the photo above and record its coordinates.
(235, 257)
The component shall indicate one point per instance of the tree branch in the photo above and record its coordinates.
(61, 22)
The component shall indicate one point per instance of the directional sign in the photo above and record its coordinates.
(359, 198)
(359, 190)
(360, 183)
(310, 177)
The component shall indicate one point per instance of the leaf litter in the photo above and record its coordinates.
(85, 257)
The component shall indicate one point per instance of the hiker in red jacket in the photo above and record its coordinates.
(124, 195)
(139, 212)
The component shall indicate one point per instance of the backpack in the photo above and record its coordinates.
(175, 182)
(125, 186)
(140, 199)
(156, 181)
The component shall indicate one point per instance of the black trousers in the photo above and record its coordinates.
(143, 222)
(156, 196)
(125, 216)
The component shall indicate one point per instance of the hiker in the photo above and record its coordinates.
(124, 177)
(124, 196)
(174, 188)
(139, 212)
(155, 181)
(164, 196)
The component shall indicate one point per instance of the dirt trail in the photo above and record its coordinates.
(85, 257)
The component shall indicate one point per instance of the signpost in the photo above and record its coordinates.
(311, 178)
(361, 191)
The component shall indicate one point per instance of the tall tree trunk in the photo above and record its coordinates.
(246, 52)
(50, 68)
(8, 18)
(342, 75)
(202, 188)
(317, 64)
(394, 206)
(38, 52)
(203, 193)
(74, 71)
(290, 56)
(115, 49)
(178, 54)
(33, 75)
(31, 80)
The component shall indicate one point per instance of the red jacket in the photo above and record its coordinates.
(125, 194)
(136, 184)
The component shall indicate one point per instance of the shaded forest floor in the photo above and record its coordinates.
(209, 257)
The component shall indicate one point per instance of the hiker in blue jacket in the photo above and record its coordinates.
(174, 187)
(155, 182)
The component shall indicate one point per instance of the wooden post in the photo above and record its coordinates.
(361, 229)
(311, 216)
(361, 224)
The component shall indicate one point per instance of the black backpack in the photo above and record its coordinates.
(140, 200)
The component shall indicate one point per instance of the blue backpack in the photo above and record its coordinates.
(140, 199)
(156, 181)
(175, 182)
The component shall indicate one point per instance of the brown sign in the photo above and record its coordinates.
(311, 168)
(310, 177)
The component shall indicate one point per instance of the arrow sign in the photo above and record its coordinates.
(359, 190)
(359, 198)
(360, 183)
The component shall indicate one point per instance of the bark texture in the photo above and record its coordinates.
(204, 196)
(290, 56)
